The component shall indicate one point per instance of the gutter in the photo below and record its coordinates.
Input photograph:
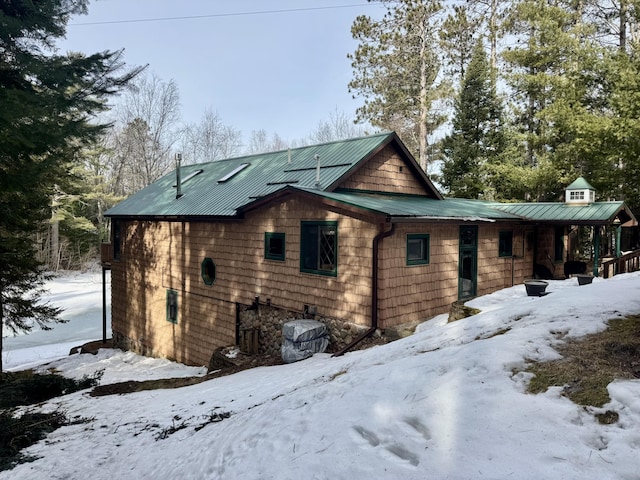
(374, 291)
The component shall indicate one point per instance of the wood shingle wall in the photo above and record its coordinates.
(387, 172)
(157, 256)
(415, 293)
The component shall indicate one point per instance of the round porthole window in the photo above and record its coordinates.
(208, 270)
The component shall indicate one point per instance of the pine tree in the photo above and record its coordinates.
(397, 71)
(48, 101)
(477, 136)
(551, 72)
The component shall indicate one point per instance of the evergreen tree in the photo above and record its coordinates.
(476, 139)
(396, 70)
(457, 36)
(47, 103)
(550, 73)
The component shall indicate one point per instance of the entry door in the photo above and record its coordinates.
(468, 262)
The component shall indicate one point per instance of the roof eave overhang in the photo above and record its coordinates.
(444, 219)
(177, 218)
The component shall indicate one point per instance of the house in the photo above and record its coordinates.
(352, 233)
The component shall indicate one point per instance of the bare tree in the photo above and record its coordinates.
(338, 127)
(210, 139)
(145, 131)
(259, 142)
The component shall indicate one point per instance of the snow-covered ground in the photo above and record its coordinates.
(444, 403)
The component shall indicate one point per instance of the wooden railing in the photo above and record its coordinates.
(629, 262)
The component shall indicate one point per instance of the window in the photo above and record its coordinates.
(319, 248)
(577, 195)
(117, 239)
(172, 306)
(505, 244)
(208, 271)
(274, 246)
(417, 248)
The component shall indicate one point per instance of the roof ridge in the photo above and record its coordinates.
(286, 150)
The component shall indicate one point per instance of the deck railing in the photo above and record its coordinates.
(629, 262)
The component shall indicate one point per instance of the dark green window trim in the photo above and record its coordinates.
(172, 306)
(319, 248)
(274, 246)
(505, 244)
(208, 271)
(417, 248)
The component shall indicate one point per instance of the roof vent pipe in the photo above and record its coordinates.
(317, 157)
(178, 180)
(289, 156)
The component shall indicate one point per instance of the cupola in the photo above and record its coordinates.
(580, 192)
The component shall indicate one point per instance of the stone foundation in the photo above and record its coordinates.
(268, 321)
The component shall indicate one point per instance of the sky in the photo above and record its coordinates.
(276, 65)
(448, 402)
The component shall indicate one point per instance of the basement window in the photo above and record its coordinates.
(208, 271)
(274, 246)
(319, 248)
(417, 249)
(505, 244)
(172, 306)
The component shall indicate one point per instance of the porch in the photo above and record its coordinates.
(627, 262)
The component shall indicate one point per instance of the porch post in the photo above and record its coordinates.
(104, 305)
(596, 249)
(618, 253)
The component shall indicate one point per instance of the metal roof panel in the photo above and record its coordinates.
(206, 195)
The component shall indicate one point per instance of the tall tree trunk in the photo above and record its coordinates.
(1, 331)
(423, 130)
(493, 35)
(623, 25)
(54, 258)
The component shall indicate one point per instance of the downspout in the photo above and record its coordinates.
(374, 291)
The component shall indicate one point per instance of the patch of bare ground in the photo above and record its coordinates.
(240, 363)
(220, 366)
(590, 363)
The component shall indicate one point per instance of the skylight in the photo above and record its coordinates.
(188, 177)
(234, 172)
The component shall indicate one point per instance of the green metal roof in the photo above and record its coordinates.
(599, 212)
(580, 184)
(398, 208)
(218, 189)
(413, 207)
(228, 188)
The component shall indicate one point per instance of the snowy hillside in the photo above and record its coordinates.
(442, 404)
